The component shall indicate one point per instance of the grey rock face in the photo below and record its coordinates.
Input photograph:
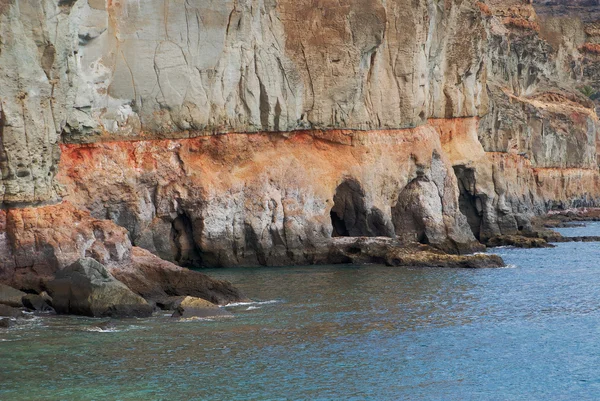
(37, 57)
(87, 288)
(90, 70)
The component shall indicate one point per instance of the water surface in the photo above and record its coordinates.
(530, 332)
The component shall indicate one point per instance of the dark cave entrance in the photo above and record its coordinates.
(467, 199)
(187, 252)
(350, 216)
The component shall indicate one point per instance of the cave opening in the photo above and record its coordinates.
(187, 252)
(350, 216)
(467, 199)
(349, 212)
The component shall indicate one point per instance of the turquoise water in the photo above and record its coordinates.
(530, 332)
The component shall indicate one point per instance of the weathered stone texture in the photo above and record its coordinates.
(256, 199)
(253, 131)
(125, 69)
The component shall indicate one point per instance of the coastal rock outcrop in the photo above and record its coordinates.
(157, 280)
(45, 240)
(87, 288)
(259, 132)
(260, 199)
(387, 251)
(10, 296)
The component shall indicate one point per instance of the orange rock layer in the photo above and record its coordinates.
(267, 199)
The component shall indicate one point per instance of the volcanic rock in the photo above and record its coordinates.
(8, 311)
(10, 296)
(37, 303)
(87, 288)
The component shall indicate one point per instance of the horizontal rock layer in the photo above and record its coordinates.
(90, 70)
(253, 132)
(265, 199)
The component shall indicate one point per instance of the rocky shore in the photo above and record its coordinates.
(116, 279)
(409, 133)
(541, 234)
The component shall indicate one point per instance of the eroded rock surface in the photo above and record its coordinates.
(43, 241)
(256, 132)
(87, 288)
(268, 200)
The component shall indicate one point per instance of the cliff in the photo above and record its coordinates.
(254, 132)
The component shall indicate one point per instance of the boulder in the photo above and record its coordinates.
(198, 307)
(37, 303)
(518, 241)
(155, 279)
(87, 288)
(390, 252)
(5, 323)
(9, 311)
(46, 297)
(10, 296)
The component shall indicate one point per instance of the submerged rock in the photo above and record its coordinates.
(10, 296)
(197, 307)
(87, 288)
(105, 326)
(5, 323)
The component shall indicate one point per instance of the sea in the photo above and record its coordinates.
(530, 331)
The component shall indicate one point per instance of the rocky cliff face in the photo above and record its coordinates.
(245, 132)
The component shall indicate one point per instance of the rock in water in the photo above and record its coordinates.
(87, 288)
(9, 311)
(198, 307)
(5, 323)
(37, 303)
(10, 296)
(155, 279)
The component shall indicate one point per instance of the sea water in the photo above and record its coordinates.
(527, 332)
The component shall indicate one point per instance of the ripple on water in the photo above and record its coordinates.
(341, 332)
